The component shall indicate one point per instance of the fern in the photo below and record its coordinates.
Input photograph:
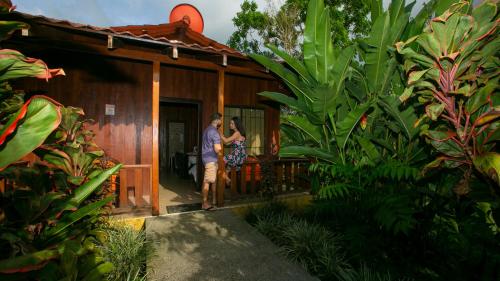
(337, 190)
(395, 171)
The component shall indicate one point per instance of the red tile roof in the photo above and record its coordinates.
(179, 31)
(174, 34)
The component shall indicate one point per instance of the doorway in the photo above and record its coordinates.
(179, 148)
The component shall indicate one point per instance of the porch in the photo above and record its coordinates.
(257, 180)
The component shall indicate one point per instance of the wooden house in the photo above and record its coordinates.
(148, 88)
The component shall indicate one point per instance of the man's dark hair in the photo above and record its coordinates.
(215, 116)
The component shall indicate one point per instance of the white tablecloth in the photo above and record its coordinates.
(193, 164)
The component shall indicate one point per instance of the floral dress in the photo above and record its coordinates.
(237, 156)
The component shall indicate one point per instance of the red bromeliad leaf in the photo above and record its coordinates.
(14, 65)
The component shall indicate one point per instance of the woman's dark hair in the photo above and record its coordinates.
(239, 125)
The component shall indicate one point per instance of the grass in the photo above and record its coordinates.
(310, 244)
(127, 249)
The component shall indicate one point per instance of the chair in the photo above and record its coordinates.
(181, 165)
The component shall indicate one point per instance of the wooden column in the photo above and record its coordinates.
(220, 109)
(155, 200)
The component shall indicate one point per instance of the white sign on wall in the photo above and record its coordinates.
(110, 109)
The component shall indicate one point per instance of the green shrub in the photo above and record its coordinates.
(127, 249)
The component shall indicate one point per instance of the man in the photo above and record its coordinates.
(211, 146)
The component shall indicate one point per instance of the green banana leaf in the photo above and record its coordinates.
(305, 151)
(281, 98)
(315, 10)
(406, 119)
(301, 123)
(295, 64)
(297, 87)
(42, 116)
(370, 149)
(347, 125)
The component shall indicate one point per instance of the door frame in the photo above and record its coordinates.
(199, 108)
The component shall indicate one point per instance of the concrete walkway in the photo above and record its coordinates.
(215, 246)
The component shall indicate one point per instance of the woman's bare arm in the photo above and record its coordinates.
(228, 140)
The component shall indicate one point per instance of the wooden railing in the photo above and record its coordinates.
(287, 175)
(135, 182)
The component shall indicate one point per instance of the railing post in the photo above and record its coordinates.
(138, 186)
(252, 177)
(279, 176)
(123, 189)
(288, 175)
(243, 183)
(234, 182)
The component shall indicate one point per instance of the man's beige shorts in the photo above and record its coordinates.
(210, 172)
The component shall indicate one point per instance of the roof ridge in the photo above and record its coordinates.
(209, 45)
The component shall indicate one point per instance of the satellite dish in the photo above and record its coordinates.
(189, 14)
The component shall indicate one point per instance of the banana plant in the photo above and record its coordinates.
(452, 68)
(325, 116)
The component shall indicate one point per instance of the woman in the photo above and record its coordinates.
(238, 153)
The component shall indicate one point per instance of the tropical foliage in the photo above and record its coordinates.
(49, 211)
(453, 69)
(353, 113)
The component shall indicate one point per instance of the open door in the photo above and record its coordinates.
(179, 143)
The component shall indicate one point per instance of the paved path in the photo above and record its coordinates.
(215, 246)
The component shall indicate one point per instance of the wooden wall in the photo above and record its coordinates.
(190, 84)
(93, 81)
(242, 91)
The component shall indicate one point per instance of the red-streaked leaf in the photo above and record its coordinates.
(14, 65)
(434, 110)
(27, 262)
(487, 118)
(42, 116)
(11, 126)
(6, 6)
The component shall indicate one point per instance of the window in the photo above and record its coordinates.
(253, 121)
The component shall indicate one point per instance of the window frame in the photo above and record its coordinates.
(241, 108)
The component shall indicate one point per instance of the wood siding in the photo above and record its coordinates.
(91, 82)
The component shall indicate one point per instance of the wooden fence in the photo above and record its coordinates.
(135, 182)
(254, 177)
